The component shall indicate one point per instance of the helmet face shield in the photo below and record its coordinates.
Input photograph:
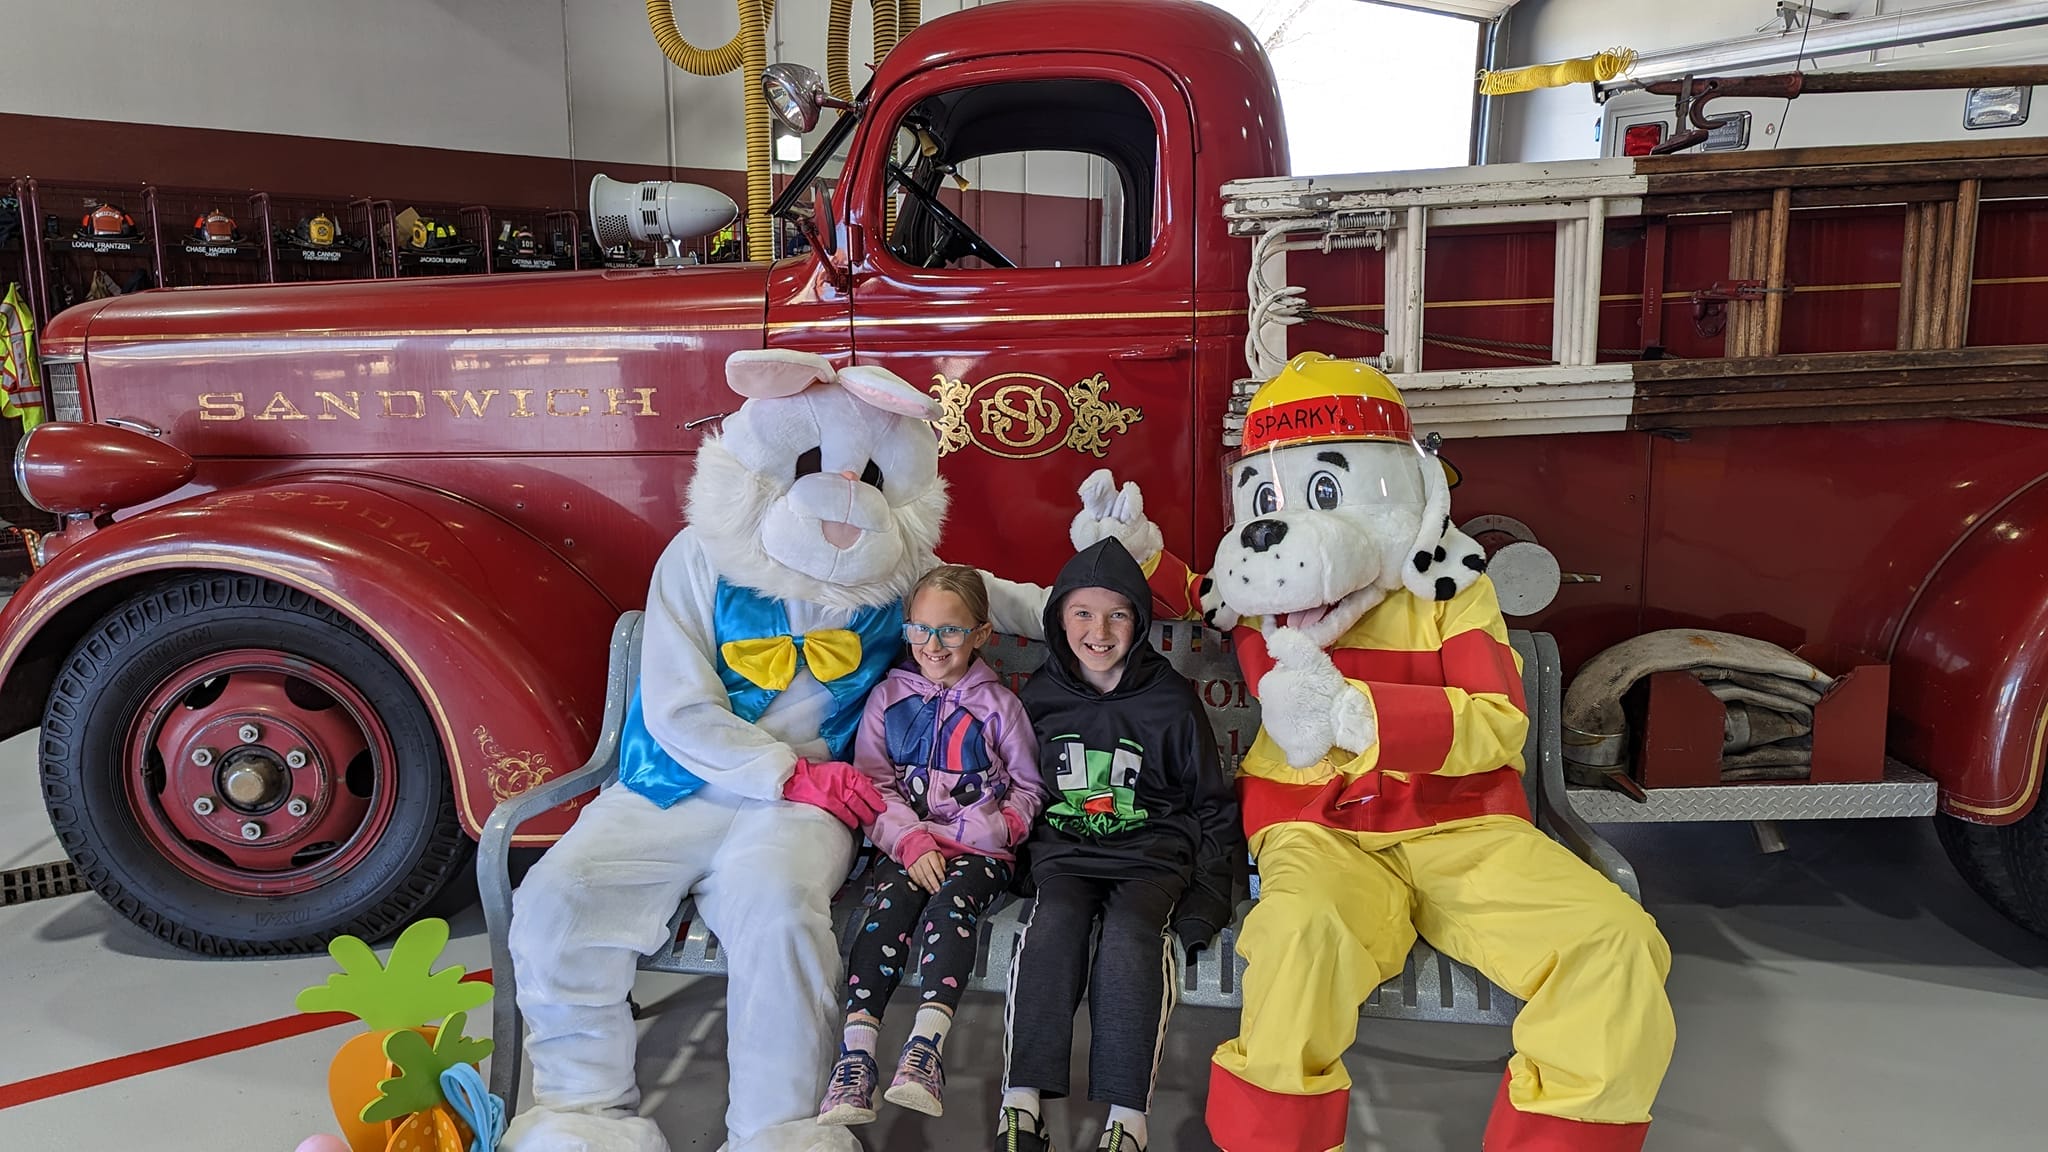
(1323, 478)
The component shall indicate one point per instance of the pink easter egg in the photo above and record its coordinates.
(322, 1143)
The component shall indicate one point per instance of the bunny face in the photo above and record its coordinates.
(829, 492)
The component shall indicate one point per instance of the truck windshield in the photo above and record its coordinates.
(800, 199)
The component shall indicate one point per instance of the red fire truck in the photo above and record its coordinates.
(338, 562)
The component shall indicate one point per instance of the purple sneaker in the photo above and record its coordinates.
(919, 1079)
(851, 1098)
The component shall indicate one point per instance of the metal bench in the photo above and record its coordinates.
(1432, 987)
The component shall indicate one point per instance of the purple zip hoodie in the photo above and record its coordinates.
(957, 767)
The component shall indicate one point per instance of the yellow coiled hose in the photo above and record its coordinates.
(838, 26)
(748, 51)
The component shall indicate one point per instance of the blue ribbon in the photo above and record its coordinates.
(484, 1113)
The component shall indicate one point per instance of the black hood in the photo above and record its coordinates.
(1104, 565)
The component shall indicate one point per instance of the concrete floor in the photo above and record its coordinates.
(1848, 994)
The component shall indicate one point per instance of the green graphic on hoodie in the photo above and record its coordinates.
(1098, 790)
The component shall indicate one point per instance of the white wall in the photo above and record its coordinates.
(484, 75)
(1559, 123)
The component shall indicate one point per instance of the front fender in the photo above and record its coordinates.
(503, 640)
(1970, 667)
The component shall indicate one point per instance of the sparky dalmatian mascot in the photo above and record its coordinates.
(769, 618)
(1383, 795)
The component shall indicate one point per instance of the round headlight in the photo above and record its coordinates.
(67, 469)
(792, 92)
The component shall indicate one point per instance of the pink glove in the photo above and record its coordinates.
(1019, 827)
(838, 788)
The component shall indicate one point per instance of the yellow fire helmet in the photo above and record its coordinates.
(1318, 398)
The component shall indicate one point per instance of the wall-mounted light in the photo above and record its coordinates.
(1996, 107)
(789, 149)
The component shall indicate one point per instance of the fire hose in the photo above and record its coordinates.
(1768, 694)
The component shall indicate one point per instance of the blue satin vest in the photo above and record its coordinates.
(743, 614)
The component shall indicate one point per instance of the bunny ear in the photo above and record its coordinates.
(881, 388)
(766, 373)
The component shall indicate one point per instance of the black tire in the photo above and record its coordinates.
(2007, 865)
(107, 679)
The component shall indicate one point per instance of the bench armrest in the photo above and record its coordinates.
(494, 848)
(1554, 813)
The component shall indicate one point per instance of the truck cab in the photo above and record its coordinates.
(338, 563)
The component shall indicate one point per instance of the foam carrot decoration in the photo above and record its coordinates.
(403, 994)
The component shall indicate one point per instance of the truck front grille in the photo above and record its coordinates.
(60, 383)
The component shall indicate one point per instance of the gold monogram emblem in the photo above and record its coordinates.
(1022, 416)
(511, 773)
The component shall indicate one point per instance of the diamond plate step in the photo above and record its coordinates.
(1902, 792)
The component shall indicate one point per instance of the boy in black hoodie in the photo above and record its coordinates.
(1143, 836)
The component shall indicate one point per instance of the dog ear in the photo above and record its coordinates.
(878, 387)
(768, 373)
(1444, 561)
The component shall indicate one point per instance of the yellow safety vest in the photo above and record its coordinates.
(21, 376)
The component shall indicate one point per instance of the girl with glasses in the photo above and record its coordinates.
(953, 755)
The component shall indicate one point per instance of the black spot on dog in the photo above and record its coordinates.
(1446, 587)
(1476, 562)
(1244, 579)
(1439, 553)
(1301, 564)
(1208, 586)
(1422, 561)
(1447, 524)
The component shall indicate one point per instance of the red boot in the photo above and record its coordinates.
(1511, 1130)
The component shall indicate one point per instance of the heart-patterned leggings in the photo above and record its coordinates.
(947, 926)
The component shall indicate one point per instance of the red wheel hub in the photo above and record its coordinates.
(260, 773)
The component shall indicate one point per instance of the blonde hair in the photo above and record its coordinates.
(961, 581)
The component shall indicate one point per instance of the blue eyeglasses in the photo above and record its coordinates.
(950, 635)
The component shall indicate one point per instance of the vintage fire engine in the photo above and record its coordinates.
(338, 562)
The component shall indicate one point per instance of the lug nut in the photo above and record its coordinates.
(203, 805)
(252, 831)
(298, 806)
(203, 757)
(248, 733)
(296, 758)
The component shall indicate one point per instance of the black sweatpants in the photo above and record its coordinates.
(1129, 985)
(945, 942)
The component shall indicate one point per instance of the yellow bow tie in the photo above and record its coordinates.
(770, 662)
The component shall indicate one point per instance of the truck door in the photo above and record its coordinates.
(1052, 314)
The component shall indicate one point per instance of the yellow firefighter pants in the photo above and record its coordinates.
(1338, 912)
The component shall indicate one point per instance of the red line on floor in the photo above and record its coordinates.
(172, 1055)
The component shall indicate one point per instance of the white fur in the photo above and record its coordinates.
(1440, 552)
(764, 527)
(1299, 698)
(1383, 534)
(729, 506)
(1107, 514)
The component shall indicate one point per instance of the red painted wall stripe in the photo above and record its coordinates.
(173, 1055)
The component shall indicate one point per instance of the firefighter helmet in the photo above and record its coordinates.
(107, 220)
(1318, 398)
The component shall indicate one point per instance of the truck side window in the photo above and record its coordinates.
(1028, 174)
